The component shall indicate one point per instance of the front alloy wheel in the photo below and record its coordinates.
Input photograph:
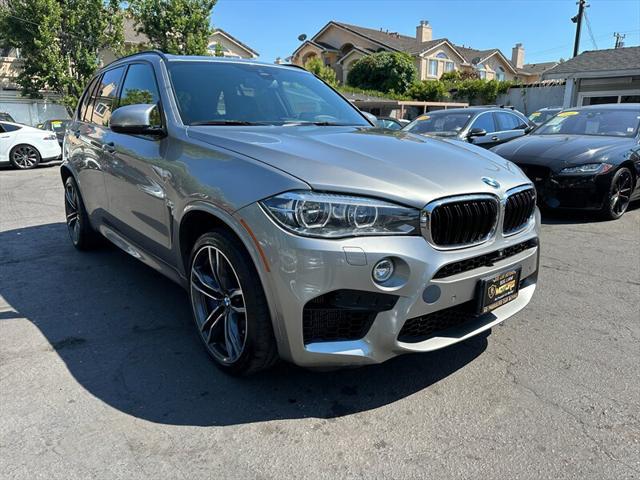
(619, 194)
(25, 157)
(218, 304)
(229, 305)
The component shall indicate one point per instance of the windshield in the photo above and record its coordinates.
(210, 93)
(58, 125)
(605, 122)
(542, 116)
(445, 123)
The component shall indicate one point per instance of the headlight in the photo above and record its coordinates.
(336, 216)
(587, 169)
(51, 136)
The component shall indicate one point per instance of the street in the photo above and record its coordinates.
(102, 374)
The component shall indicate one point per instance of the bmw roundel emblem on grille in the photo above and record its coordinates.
(491, 182)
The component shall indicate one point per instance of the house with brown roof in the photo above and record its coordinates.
(340, 45)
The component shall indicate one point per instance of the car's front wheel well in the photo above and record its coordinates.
(629, 164)
(65, 173)
(195, 224)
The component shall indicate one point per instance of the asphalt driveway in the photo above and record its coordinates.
(102, 375)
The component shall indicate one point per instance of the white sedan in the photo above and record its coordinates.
(27, 147)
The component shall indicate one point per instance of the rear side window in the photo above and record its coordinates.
(507, 121)
(485, 122)
(82, 112)
(10, 128)
(139, 86)
(105, 97)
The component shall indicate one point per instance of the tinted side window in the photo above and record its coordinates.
(85, 100)
(106, 96)
(507, 121)
(1, 128)
(11, 128)
(485, 121)
(139, 86)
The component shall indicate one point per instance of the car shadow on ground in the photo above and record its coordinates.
(125, 334)
(566, 217)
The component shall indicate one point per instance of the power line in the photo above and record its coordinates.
(593, 40)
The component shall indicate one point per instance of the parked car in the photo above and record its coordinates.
(583, 158)
(391, 123)
(27, 147)
(298, 229)
(540, 116)
(56, 126)
(5, 117)
(482, 126)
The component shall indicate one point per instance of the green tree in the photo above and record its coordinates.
(428, 91)
(174, 26)
(320, 70)
(60, 42)
(219, 52)
(384, 71)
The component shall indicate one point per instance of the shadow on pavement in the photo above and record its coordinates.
(565, 217)
(125, 334)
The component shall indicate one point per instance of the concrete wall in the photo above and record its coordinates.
(29, 111)
(529, 99)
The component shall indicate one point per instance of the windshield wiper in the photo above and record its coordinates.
(227, 122)
(321, 124)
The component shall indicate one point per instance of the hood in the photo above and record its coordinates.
(398, 166)
(560, 151)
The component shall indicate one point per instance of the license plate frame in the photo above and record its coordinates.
(498, 289)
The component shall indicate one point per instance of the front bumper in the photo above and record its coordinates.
(301, 269)
(573, 191)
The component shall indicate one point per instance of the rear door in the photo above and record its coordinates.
(509, 126)
(5, 144)
(486, 122)
(138, 174)
(89, 133)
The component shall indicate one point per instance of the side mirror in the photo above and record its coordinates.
(140, 119)
(476, 132)
(529, 129)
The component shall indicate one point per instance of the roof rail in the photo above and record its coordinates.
(157, 52)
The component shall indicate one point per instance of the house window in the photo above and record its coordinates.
(500, 74)
(482, 72)
(447, 64)
(433, 68)
(448, 67)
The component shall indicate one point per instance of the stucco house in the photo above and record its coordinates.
(340, 45)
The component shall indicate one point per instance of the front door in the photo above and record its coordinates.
(486, 122)
(138, 176)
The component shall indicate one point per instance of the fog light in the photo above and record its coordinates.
(383, 270)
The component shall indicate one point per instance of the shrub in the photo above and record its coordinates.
(320, 70)
(384, 71)
(428, 91)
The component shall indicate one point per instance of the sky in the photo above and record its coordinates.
(272, 27)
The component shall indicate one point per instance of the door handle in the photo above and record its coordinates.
(494, 138)
(109, 147)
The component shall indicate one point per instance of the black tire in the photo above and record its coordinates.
(24, 156)
(259, 350)
(617, 200)
(82, 235)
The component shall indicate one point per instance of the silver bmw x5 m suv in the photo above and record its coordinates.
(299, 230)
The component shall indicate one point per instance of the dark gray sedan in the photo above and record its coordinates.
(482, 126)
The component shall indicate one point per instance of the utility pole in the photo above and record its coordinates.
(619, 40)
(578, 21)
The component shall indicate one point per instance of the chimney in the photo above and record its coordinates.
(517, 55)
(423, 32)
